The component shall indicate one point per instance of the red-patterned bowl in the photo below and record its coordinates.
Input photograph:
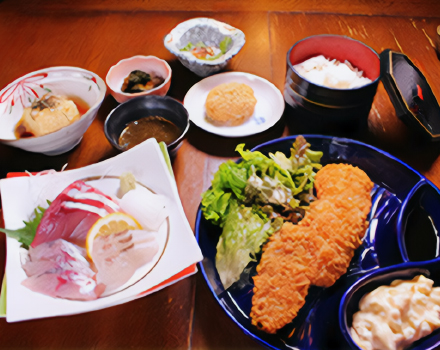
(75, 83)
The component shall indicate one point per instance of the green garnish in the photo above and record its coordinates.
(26, 234)
(223, 46)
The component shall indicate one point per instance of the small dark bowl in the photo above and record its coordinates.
(322, 108)
(418, 224)
(144, 106)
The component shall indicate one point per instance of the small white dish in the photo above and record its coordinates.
(268, 110)
(72, 82)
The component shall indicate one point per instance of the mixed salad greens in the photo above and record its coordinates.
(205, 52)
(251, 199)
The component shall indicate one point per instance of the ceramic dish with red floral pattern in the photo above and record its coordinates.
(28, 103)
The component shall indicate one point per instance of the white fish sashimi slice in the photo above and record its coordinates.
(58, 250)
(118, 256)
(66, 285)
(59, 269)
(148, 208)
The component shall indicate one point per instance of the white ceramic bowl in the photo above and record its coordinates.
(67, 81)
(117, 73)
(211, 33)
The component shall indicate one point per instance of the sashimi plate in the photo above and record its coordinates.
(316, 325)
(178, 248)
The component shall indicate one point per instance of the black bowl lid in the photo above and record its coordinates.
(410, 94)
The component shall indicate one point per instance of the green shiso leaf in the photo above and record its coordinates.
(26, 234)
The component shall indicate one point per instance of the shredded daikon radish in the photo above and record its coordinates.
(148, 208)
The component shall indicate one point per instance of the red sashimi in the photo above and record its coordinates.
(73, 213)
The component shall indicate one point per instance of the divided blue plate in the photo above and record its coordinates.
(398, 190)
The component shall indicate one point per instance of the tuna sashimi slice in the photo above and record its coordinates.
(119, 255)
(59, 269)
(73, 213)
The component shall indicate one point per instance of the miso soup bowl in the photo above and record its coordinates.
(145, 106)
(322, 108)
(73, 82)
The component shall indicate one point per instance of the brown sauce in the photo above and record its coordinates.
(82, 105)
(142, 129)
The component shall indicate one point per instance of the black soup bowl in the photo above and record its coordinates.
(317, 108)
(147, 106)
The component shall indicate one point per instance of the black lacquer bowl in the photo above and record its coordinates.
(323, 108)
(323, 321)
(145, 106)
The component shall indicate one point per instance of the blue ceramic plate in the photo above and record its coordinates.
(317, 326)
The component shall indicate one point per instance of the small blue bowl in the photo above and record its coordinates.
(350, 300)
(418, 220)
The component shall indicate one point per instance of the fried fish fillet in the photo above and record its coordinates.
(317, 251)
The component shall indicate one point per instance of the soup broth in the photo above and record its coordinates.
(142, 129)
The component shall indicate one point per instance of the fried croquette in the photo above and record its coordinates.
(317, 251)
(230, 104)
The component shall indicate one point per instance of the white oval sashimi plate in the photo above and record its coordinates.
(268, 110)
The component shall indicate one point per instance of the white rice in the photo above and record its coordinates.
(331, 73)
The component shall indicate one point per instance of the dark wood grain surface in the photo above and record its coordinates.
(96, 34)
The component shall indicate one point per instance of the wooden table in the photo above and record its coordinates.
(95, 35)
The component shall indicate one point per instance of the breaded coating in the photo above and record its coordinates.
(317, 251)
(230, 104)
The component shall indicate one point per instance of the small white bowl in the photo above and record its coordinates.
(148, 64)
(67, 81)
(211, 33)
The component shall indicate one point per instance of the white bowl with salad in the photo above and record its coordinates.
(204, 45)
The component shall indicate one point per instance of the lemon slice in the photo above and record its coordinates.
(109, 224)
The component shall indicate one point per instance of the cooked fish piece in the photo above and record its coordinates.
(47, 115)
